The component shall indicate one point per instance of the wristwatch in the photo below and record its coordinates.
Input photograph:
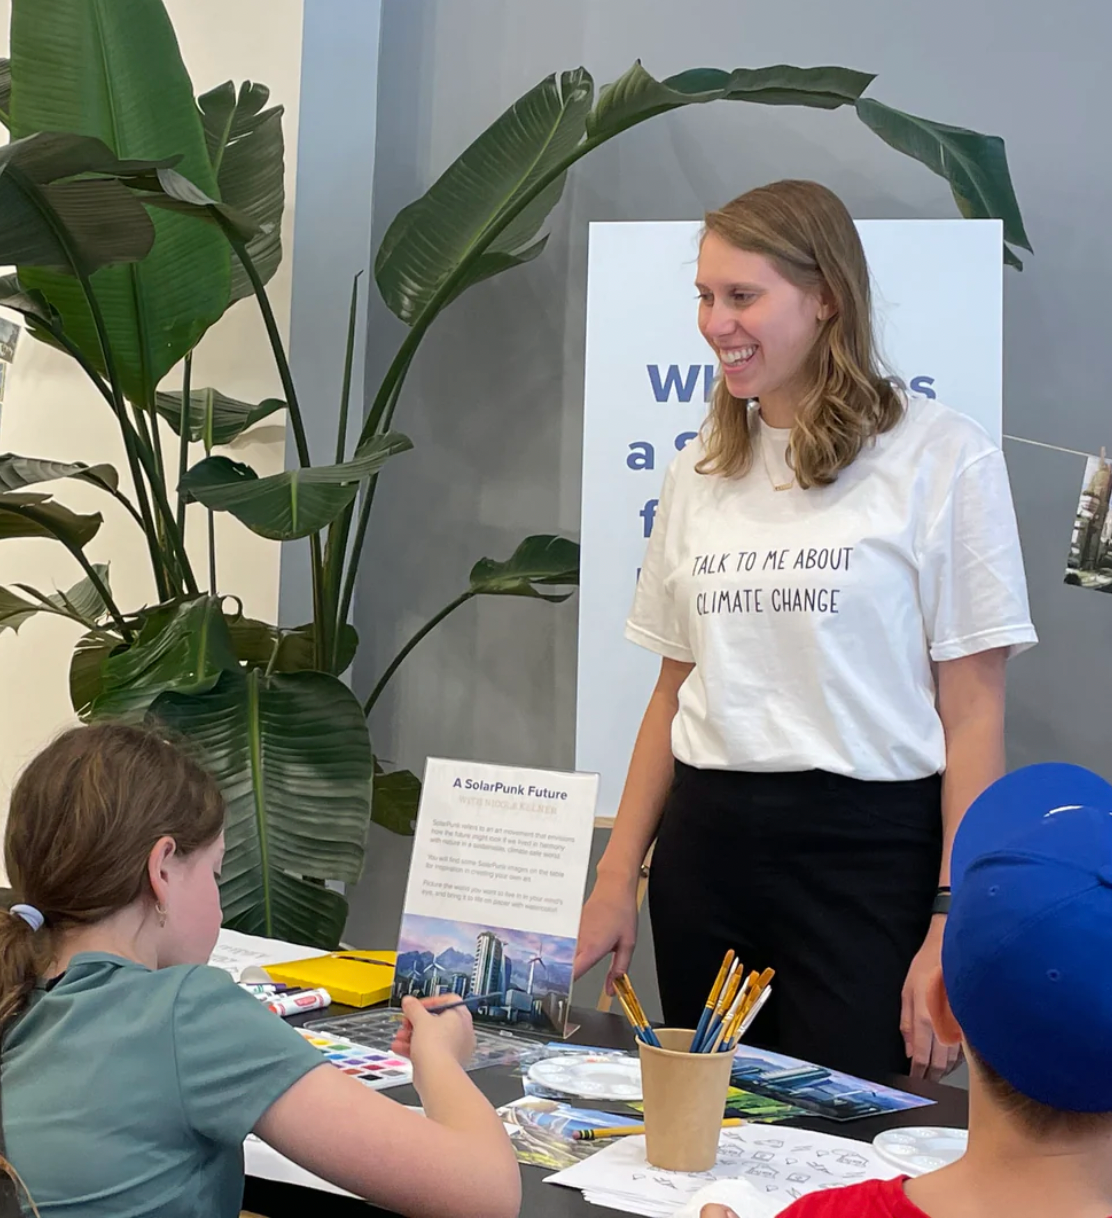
(941, 901)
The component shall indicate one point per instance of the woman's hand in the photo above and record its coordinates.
(608, 924)
(930, 1058)
(424, 1033)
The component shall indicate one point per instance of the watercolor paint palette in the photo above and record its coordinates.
(372, 1067)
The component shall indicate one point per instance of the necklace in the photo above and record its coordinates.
(776, 486)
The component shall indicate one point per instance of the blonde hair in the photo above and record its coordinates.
(807, 234)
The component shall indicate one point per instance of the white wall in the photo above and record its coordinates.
(51, 411)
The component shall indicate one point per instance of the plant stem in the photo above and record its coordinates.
(349, 360)
(145, 517)
(184, 425)
(130, 437)
(335, 550)
(212, 551)
(321, 636)
(431, 624)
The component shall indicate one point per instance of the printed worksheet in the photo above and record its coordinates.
(782, 1163)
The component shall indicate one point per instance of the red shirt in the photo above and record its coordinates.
(871, 1199)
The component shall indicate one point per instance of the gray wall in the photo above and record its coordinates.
(494, 400)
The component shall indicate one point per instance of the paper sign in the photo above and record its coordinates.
(495, 891)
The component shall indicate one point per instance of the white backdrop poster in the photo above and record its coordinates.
(938, 299)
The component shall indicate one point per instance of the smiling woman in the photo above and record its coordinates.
(833, 584)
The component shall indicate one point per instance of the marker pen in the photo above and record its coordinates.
(303, 1000)
(262, 991)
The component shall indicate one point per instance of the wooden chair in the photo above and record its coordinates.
(605, 1001)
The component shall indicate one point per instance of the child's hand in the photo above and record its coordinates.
(422, 1031)
(716, 1211)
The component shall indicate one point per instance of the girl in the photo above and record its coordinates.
(833, 583)
(131, 1072)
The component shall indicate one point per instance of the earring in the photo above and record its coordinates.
(158, 909)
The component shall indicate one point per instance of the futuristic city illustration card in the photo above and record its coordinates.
(495, 889)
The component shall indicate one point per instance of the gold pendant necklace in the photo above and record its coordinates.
(776, 486)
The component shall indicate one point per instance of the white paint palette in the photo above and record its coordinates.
(917, 1150)
(372, 1067)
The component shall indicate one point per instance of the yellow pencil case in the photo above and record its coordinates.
(348, 976)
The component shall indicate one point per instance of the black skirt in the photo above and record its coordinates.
(828, 880)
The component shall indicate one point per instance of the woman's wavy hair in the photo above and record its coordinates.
(805, 231)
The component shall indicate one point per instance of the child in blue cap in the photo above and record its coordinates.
(1026, 987)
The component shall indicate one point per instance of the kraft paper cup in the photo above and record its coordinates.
(684, 1096)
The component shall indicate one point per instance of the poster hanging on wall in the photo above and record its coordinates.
(938, 295)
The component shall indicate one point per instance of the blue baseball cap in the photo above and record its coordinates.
(1027, 951)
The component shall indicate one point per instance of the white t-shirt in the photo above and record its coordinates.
(813, 616)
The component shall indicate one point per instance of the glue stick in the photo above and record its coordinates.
(304, 1000)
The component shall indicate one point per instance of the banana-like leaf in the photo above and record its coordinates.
(637, 95)
(974, 165)
(214, 417)
(82, 603)
(475, 204)
(395, 799)
(543, 560)
(247, 152)
(292, 756)
(5, 91)
(16, 473)
(51, 217)
(43, 321)
(31, 515)
(291, 504)
(185, 648)
(114, 71)
(86, 673)
(255, 643)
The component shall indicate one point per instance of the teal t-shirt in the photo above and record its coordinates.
(127, 1092)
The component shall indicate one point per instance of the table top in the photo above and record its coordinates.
(540, 1200)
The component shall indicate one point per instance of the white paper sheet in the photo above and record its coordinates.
(266, 1163)
(234, 952)
(782, 1163)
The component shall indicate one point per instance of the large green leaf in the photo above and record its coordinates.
(213, 417)
(32, 515)
(637, 95)
(52, 217)
(16, 473)
(113, 70)
(86, 673)
(255, 644)
(291, 504)
(436, 240)
(292, 756)
(245, 146)
(543, 560)
(975, 165)
(184, 649)
(82, 603)
(396, 796)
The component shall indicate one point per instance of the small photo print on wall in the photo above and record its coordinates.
(1089, 564)
(9, 338)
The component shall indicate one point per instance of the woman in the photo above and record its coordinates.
(131, 1073)
(834, 584)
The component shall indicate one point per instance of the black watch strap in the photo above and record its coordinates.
(941, 901)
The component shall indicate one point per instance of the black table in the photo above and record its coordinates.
(540, 1200)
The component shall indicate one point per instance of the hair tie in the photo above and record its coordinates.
(29, 914)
